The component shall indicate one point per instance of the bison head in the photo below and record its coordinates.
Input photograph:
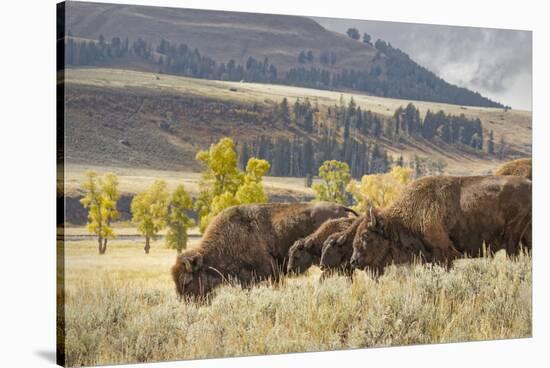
(193, 278)
(302, 255)
(371, 246)
(336, 251)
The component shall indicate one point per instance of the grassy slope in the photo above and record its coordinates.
(220, 35)
(514, 125)
(122, 308)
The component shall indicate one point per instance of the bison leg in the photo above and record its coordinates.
(443, 248)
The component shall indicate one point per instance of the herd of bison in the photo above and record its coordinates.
(435, 219)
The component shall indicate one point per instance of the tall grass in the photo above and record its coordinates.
(122, 308)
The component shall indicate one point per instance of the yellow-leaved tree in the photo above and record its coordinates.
(149, 211)
(223, 185)
(336, 176)
(100, 199)
(379, 190)
(178, 221)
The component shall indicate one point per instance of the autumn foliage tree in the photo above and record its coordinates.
(100, 199)
(149, 211)
(336, 176)
(178, 221)
(379, 190)
(223, 185)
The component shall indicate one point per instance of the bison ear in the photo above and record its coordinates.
(191, 263)
(197, 262)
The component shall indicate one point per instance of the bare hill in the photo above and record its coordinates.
(137, 119)
(278, 49)
(219, 34)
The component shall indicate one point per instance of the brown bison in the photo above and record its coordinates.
(306, 252)
(248, 243)
(437, 219)
(337, 249)
(522, 167)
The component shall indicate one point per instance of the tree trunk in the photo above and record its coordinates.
(178, 250)
(100, 245)
(104, 249)
(147, 246)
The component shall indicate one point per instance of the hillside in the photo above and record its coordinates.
(252, 47)
(136, 119)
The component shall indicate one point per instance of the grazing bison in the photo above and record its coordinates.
(440, 218)
(248, 243)
(337, 250)
(306, 252)
(522, 167)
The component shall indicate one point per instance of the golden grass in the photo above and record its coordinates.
(134, 180)
(122, 308)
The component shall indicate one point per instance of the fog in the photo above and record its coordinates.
(495, 62)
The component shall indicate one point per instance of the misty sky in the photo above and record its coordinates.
(495, 62)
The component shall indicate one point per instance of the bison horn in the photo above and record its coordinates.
(372, 217)
(187, 265)
(341, 240)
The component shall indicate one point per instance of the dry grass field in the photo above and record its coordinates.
(134, 180)
(122, 308)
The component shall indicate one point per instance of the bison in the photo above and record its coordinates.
(306, 252)
(337, 249)
(522, 167)
(248, 243)
(438, 219)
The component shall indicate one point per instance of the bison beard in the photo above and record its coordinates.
(437, 219)
(247, 244)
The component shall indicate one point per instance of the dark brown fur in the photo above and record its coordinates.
(522, 167)
(437, 219)
(306, 252)
(337, 250)
(248, 243)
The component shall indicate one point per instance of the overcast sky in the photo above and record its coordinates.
(495, 62)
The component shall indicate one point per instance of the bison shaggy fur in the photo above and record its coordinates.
(306, 252)
(438, 219)
(337, 250)
(248, 243)
(522, 167)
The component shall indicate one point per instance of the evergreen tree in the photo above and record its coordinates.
(353, 33)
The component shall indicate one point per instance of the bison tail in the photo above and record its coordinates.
(347, 209)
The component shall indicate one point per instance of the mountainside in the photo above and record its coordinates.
(143, 120)
(235, 46)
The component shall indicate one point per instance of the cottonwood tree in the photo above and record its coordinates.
(223, 185)
(336, 176)
(100, 199)
(379, 190)
(178, 221)
(149, 211)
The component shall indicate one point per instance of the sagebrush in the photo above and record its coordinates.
(123, 308)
